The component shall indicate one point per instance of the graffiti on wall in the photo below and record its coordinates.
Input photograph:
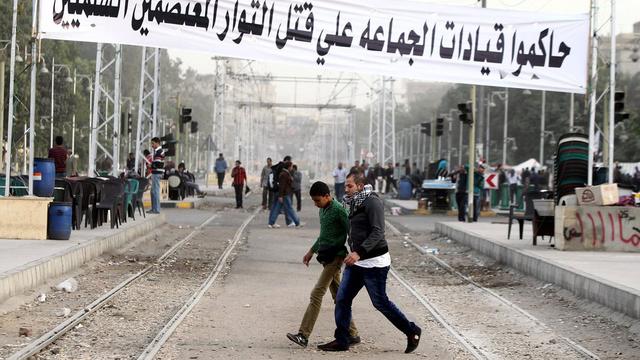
(596, 226)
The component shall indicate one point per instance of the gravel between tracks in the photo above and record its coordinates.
(501, 330)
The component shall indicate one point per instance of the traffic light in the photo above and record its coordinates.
(439, 126)
(194, 127)
(185, 115)
(169, 144)
(466, 113)
(425, 128)
(619, 114)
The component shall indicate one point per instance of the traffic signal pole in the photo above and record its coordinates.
(472, 153)
(179, 126)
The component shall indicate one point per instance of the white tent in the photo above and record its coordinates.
(531, 163)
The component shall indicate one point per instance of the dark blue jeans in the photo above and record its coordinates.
(375, 281)
(339, 187)
(288, 210)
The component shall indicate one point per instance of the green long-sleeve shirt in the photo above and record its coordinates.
(334, 227)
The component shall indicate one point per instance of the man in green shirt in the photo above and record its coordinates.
(331, 251)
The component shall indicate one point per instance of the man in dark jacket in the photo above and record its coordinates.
(285, 189)
(367, 265)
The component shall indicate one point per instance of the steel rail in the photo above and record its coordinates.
(575, 346)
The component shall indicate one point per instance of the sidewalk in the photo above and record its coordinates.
(603, 277)
(25, 264)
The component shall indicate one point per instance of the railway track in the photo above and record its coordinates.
(43, 342)
(475, 350)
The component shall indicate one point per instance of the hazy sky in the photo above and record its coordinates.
(628, 13)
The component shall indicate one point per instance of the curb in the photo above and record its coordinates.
(618, 297)
(35, 273)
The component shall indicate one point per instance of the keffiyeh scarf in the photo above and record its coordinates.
(355, 201)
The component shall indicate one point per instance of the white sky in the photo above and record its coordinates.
(628, 12)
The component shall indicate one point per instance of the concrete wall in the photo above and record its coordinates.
(36, 273)
(622, 299)
(603, 228)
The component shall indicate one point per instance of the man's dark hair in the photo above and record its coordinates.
(59, 140)
(146, 152)
(287, 158)
(269, 159)
(295, 167)
(156, 140)
(181, 165)
(220, 155)
(239, 162)
(287, 164)
(358, 177)
(319, 189)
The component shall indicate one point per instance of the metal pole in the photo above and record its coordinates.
(593, 84)
(487, 136)
(505, 126)
(32, 94)
(156, 106)
(93, 146)
(53, 79)
(450, 127)
(571, 112)
(472, 153)
(460, 143)
(73, 117)
(612, 90)
(12, 70)
(542, 123)
(140, 113)
(2, 83)
(116, 113)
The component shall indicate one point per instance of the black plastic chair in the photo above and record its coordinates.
(522, 217)
(143, 185)
(110, 203)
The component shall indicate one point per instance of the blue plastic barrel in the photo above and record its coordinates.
(59, 221)
(405, 189)
(44, 177)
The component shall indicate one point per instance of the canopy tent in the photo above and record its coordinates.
(529, 164)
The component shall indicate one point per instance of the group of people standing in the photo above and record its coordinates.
(382, 179)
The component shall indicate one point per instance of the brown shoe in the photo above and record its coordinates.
(333, 346)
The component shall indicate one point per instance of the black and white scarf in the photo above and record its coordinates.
(354, 202)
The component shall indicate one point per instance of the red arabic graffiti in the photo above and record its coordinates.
(574, 233)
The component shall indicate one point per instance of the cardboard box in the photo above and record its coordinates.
(606, 194)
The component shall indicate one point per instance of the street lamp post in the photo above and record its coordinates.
(77, 76)
(542, 124)
(53, 80)
(502, 95)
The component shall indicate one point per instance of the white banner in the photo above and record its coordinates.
(407, 39)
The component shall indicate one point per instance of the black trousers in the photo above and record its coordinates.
(220, 179)
(461, 201)
(297, 195)
(239, 189)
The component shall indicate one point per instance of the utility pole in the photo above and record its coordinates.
(472, 153)
(592, 85)
(612, 90)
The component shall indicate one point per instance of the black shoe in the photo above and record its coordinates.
(413, 340)
(333, 346)
(298, 339)
(353, 340)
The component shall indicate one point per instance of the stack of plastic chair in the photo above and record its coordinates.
(571, 165)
